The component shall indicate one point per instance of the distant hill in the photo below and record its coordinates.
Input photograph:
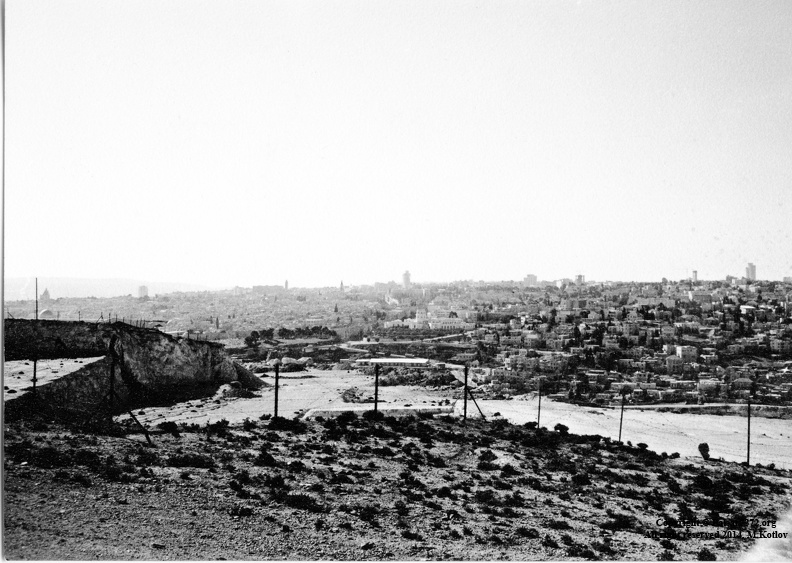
(24, 288)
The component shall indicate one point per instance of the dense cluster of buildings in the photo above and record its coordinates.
(688, 340)
(670, 342)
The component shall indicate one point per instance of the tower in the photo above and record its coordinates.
(286, 285)
(750, 271)
(342, 286)
(695, 276)
(406, 280)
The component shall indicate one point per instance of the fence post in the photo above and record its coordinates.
(748, 462)
(464, 413)
(277, 378)
(376, 386)
(621, 417)
(539, 411)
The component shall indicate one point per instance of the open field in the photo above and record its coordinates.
(682, 433)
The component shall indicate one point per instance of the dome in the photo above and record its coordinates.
(46, 314)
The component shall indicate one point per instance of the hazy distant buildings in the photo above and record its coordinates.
(142, 292)
(286, 285)
(45, 297)
(695, 276)
(342, 286)
(530, 280)
(580, 279)
(750, 271)
(406, 280)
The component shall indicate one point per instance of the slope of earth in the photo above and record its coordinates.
(353, 489)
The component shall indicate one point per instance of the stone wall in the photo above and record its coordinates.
(151, 367)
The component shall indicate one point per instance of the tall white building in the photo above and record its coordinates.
(406, 279)
(142, 291)
(695, 276)
(750, 271)
(530, 280)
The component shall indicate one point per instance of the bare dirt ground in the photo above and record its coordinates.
(18, 374)
(353, 489)
(771, 439)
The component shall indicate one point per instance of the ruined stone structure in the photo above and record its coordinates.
(150, 367)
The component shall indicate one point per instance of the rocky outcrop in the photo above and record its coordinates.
(150, 367)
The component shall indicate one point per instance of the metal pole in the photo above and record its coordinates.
(539, 412)
(277, 379)
(464, 414)
(749, 434)
(34, 379)
(376, 386)
(621, 418)
(36, 298)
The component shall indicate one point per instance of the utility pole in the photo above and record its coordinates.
(277, 381)
(621, 417)
(376, 386)
(748, 462)
(36, 298)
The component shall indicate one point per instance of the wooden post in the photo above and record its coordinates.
(277, 378)
(748, 462)
(621, 417)
(539, 411)
(376, 386)
(112, 383)
(464, 412)
(34, 379)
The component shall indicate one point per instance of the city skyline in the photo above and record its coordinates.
(24, 288)
(323, 141)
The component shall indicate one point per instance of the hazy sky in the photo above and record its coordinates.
(248, 142)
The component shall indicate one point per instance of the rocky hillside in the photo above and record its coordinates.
(350, 488)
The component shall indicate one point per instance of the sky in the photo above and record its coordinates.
(232, 142)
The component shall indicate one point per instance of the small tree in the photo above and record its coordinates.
(253, 340)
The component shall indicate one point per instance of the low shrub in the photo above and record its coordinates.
(265, 459)
(190, 460)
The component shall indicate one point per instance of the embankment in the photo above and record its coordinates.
(765, 411)
(150, 367)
